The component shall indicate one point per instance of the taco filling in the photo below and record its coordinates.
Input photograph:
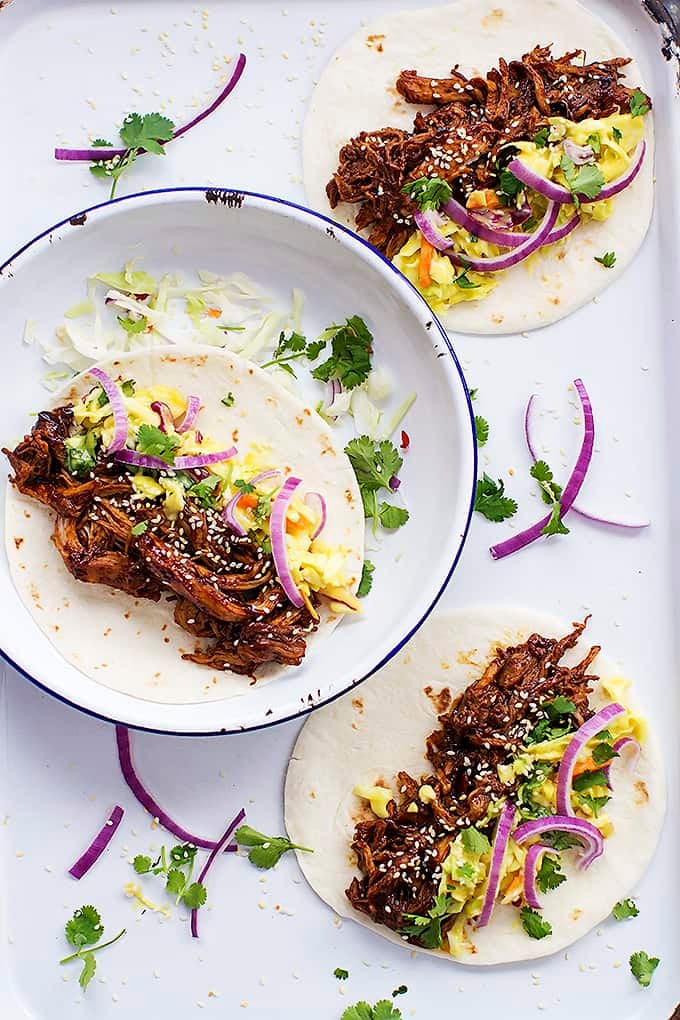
(148, 504)
(494, 168)
(519, 776)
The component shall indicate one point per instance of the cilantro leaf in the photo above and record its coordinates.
(195, 896)
(350, 360)
(473, 393)
(228, 401)
(374, 463)
(549, 875)
(341, 974)
(132, 325)
(604, 752)
(464, 282)
(595, 142)
(84, 928)
(266, 850)
(428, 192)
(142, 864)
(534, 925)
(639, 105)
(586, 780)
(594, 803)
(560, 840)
(392, 517)
(616, 134)
(204, 492)
(89, 967)
(586, 182)
(528, 807)
(608, 260)
(101, 143)
(360, 1011)
(146, 131)
(481, 430)
(428, 930)
(491, 502)
(557, 707)
(550, 490)
(642, 967)
(555, 525)
(624, 909)
(152, 441)
(474, 841)
(401, 990)
(541, 137)
(175, 882)
(183, 853)
(78, 461)
(509, 184)
(385, 1010)
(139, 528)
(465, 872)
(366, 582)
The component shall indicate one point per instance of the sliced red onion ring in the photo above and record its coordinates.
(562, 196)
(531, 865)
(503, 238)
(571, 489)
(118, 409)
(529, 416)
(165, 415)
(147, 801)
(277, 534)
(531, 243)
(431, 233)
(583, 734)
(98, 844)
(88, 155)
(228, 514)
(316, 497)
(143, 460)
(618, 746)
(233, 824)
(578, 154)
(191, 414)
(197, 460)
(593, 839)
(505, 820)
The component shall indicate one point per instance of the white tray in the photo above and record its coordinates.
(58, 772)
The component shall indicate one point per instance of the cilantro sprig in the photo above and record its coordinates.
(139, 133)
(639, 104)
(152, 441)
(428, 928)
(549, 875)
(482, 429)
(366, 582)
(586, 181)
(375, 464)
(541, 137)
(177, 867)
(383, 1010)
(608, 260)
(83, 931)
(625, 909)
(340, 973)
(642, 967)
(534, 925)
(552, 494)
(291, 347)
(351, 351)
(428, 192)
(491, 501)
(266, 851)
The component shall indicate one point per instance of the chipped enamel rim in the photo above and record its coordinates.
(112, 706)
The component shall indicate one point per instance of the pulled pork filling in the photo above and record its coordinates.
(463, 138)
(401, 856)
(224, 588)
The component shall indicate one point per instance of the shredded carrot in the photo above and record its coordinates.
(514, 889)
(248, 500)
(587, 765)
(426, 253)
(296, 525)
(214, 313)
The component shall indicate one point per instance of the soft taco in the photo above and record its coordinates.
(488, 797)
(503, 161)
(199, 529)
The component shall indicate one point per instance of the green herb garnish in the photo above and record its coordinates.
(491, 501)
(85, 929)
(155, 443)
(428, 929)
(375, 463)
(366, 582)
(595, 142)
(509, 184)
(266, 850)
(204, 492)
(534, 925)
(464, 282)
(475, 842)
(541, 137)
(401, 990)
(587, 181)
(139, 133)
(642, 967)
(383, 1010)
(552, 494)
(624, 909)
(177, 867)
(139, 529)
(350, 360)
(132, 325)
(608, 260)
(616, 134)
(481, 430)
(228, 401)
(549, 875)
(428, 192)
(78, 461)
(560, 840)
(341, 974)
(638, 105)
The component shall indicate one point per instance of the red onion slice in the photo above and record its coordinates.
(277, 534)
(233, 824)
(316, 497)
(88, 155)
(593, 839)
(167, 421)
(197, 460)
(98, 844)
(503, 238)
(578, 154)
(228, 514)
(530, 244)
(633, 757)
(531, 865)
(562, 196)
(431, 233)
(583, 734)
(505, 820)
(529, 416)
(143, 460)
(118, 409)
(190, 416)
(572, 488)
(147, 801)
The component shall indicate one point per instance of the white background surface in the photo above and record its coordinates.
(58, 772)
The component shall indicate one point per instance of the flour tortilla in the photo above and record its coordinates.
(356, 92)
(381, 728)
(133, 645)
